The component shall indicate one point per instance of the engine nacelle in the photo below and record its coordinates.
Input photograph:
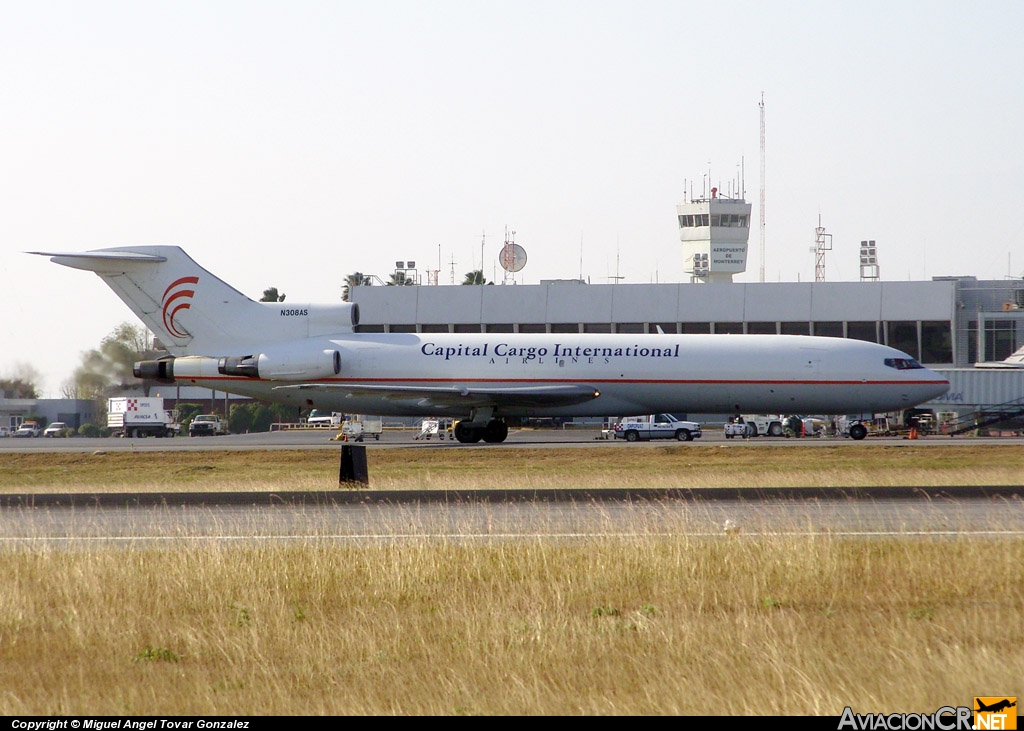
(182, 367)
(327, 320)
(283, 364)
(156, 370)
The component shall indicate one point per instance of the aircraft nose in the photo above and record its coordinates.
(936, 386)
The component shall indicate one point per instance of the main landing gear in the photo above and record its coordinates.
(493, 432)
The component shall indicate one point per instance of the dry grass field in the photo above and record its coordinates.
(653, 623)
(616, 465)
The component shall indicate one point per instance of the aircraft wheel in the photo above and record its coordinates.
(495, 432)
(858, 431)
(467, 434)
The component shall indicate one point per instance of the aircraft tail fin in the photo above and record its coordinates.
(193, 312)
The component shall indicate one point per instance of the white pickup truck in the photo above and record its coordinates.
(207, 425)
(320, 418)
(656, 426)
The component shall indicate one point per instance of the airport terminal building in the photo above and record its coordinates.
(946, 322)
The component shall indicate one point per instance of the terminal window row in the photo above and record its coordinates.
(926, 341)
(726, 220)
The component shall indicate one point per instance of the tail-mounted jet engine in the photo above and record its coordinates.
(283, 365)
(275, 364)
(155, 370)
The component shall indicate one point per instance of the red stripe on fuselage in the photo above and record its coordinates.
(542, 381)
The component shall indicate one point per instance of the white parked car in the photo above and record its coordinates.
(56, 429)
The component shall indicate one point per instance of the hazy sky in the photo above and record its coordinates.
(289, 144)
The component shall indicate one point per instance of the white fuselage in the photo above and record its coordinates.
(311, 356)
(635, 374)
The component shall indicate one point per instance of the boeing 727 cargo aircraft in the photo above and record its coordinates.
(311, 356)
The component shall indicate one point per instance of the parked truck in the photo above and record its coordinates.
(207, 425)
(139, 416)
(320, 418)
(28, 428)
(656, 426)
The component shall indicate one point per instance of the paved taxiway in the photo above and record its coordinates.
(366, 516)
(580, 438)
(382, 517)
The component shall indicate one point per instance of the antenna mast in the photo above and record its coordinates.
(822, 243)
(762, 185)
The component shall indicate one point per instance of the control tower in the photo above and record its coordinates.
(714, 232)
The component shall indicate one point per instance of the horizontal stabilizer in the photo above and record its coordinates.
(100, 261)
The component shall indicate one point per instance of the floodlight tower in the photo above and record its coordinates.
(869, 270)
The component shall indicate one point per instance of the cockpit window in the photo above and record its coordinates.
(903, 364)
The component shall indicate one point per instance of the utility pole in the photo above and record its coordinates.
(762, 185)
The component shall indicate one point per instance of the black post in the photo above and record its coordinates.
(353, 466)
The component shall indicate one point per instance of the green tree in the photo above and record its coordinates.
(107, 369)
(240, 421)
(356, 279)
(270, 295)
(187, 411)
(22, 383)
(17, 388)
(283, 414)
(254, 416)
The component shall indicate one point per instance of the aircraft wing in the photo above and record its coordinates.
(463, 394)
(1016, 360)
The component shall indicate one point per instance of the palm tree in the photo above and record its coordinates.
(475, 277)
(356, 279)
(270, 295)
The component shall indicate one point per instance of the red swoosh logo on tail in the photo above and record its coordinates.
(177, 298)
